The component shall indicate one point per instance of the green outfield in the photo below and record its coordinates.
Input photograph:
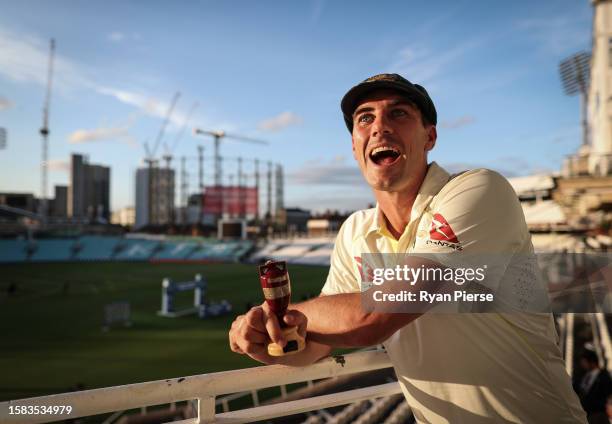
(52, 339)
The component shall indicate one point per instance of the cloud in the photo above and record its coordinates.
(25, 59)
(60, 165)
(556, 34)
(508, 166)
(340, 200)
(458, 123)
(333, 173)
(118, 133)
(422, 66)
(280, 122)
(5, 103)
(116, 36)
(146, 104)
(317, 10)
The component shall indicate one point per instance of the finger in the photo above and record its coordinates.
(236, 323)
(250, 335)
(273, 328)
(233, 334)
(297, 319)
(255, 319)
(258, 352)
(235, 348)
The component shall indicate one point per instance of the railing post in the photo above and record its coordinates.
(206, 409)
(255, 397)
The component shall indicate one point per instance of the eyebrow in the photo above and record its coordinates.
(394, 103)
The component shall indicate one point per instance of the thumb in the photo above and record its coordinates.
(273, 328)
(297, 319)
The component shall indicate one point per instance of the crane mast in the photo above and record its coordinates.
(44, 132)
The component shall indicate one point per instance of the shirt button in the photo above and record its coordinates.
(421, 234)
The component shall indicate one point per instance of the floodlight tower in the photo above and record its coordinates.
(574, 73)
(44, 132)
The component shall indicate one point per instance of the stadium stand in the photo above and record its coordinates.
(317, 256)
(400, 414)
(135, 249)
(349, 413)
(267, 251)
(95, 248)
(106, 248)
(46, 250)
(175, 250)
(378, 410)
(13, 250)
(308, 251)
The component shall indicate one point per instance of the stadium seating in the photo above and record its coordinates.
(13, 250)
(378, 410)
(400, 414)
(319, 256)
(307, 251)
(46, 250)
(174, 250)
(135, 249)
(349, 413)
(96, 248)
(267, 251)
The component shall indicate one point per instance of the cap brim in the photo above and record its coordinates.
(352, 97)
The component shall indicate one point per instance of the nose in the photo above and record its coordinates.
(381, 126)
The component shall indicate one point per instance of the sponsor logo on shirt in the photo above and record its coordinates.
(366, 272)
(441, 233)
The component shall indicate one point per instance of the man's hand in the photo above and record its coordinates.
(251, 333)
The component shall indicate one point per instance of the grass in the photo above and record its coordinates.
(52, 339)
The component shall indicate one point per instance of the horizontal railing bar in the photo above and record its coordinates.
(110, 399)
(304, 405)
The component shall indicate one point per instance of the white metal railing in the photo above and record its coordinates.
(205, 388)
(569, 343)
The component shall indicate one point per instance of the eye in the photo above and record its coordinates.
(398, 112)
(365, 118)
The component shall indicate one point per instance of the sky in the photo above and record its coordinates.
(276, 71)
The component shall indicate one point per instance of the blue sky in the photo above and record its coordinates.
(276, 71)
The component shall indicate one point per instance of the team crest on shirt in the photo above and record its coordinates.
(441, 233)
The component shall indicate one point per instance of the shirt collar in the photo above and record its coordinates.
(435, 178)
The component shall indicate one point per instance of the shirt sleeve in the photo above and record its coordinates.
(341, 277)
(476, 221)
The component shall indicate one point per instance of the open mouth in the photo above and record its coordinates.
(385, 155)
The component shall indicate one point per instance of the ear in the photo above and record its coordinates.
(353, 147)
(432, 136)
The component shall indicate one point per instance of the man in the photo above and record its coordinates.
(458, 368)
(595, 385)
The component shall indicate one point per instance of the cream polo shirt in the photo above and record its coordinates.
(468, 367)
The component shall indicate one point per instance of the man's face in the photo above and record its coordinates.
(390, 142)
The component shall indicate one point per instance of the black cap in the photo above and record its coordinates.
(414, 92)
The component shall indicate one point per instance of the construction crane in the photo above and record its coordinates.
(151, 161)
(44, 132)
(218, 136)
(168, 158)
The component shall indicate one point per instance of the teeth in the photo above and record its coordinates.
(383, 149)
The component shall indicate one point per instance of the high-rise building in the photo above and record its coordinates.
(59, 205)
(89, 190)
(124, 216)
(154, 196)
(25, 201)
